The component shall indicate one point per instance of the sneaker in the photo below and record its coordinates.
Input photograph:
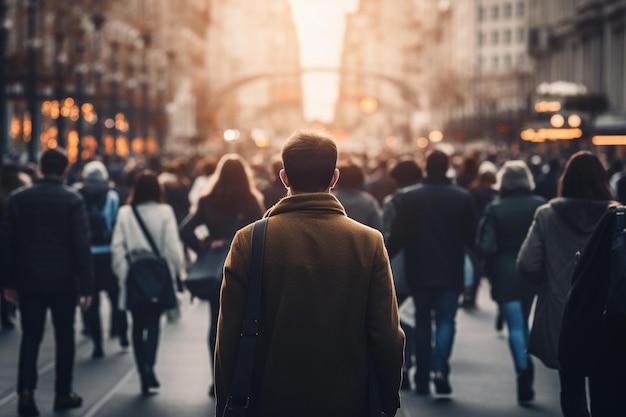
(98, 353)
(124, 341)
(26, 406)
(442, 385)
(66, 402)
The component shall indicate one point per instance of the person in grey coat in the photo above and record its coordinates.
(548, 256)
(500, 234)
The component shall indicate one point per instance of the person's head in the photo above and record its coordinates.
(309, 161)
(513, 177)
(352, 175)
(406, 172)
(95, 171)
(584, 177)
(146, 188)
(54, 161)
(437, 163)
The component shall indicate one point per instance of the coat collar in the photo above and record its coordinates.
(54, 179)
(318, 202)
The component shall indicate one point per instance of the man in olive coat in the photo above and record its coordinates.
(327, 300)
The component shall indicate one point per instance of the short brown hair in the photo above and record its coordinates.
(310, 159)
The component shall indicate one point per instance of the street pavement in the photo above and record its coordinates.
(482, 378)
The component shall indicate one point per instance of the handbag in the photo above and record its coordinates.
(149, 281)
(238, 402)
(204, 276)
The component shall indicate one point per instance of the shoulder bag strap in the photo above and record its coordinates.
(239, 395)
(145, 231)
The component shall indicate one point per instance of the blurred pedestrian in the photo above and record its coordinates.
(11, 178)
(559, 231)
(176, 187)
(502, 230)
(46, 264)
(434, 224)
(231, 202)
(359, 205)
(547, 182)
(405, 173)
(129, 243)
(204, 169)
(327, 300)
(102, 203)
(274, 189)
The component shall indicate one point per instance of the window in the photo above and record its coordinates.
(495, 37)
(495, 12)
(481, 38)
(507, 11)
(494, 63)
(481, 63)
(481, 13)
(521, 59)
(507, 61)
(520, 35)
(506, 36)
(520, 9)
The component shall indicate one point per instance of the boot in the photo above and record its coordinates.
(525, 378)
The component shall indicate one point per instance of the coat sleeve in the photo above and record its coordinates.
(486, 239)
(386, 338)
(119, 247)
(398, 228)
(187, 230)
(7, 255)
(530, 258)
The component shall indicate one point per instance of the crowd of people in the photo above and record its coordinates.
(517, 223)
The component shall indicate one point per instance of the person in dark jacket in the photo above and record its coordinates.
(559, 232)
(502, 230)
(231, 202)
(434, 224)
(46, 264)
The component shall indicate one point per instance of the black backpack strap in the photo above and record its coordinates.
(239, 395)
(620, 211)
(145, 231)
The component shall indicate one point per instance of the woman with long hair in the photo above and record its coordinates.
(559, 232)
(231, 202)
(129, 242)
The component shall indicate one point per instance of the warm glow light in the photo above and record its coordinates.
(435, 136)
(231, 135)
(391, 141)
(550, 134)
(422, 142)
(109, 123)
(609, 140)
(368, 105)
(52, 143)
(557, 120)
(547, 106)
(137, 145)
(574, 120)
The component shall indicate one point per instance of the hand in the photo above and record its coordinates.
(84, 302)
(10, 295)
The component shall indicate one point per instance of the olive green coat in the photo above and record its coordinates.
(327, 300)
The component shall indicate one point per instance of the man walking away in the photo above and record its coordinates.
(327, 300)
(435, 224)
(46, 264)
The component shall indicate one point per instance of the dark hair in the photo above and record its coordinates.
(232, 189)
(437, 164)
(351, 175)
(406, 172)
(584, 177)
(310, 159)
(146, 188)
(54, 161)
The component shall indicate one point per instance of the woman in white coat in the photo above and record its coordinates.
(129, 240)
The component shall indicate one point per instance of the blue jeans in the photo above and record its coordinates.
(440, 304)
(516, 315)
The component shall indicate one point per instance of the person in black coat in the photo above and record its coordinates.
(435, 222)
(46, 265)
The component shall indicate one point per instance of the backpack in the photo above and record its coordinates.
(616, 299)
(95, 203)
(149, 281)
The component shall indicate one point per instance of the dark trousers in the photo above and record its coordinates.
(214, 309)
(440, 305)
(33, 309)
(119, 320)
(146, 328)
